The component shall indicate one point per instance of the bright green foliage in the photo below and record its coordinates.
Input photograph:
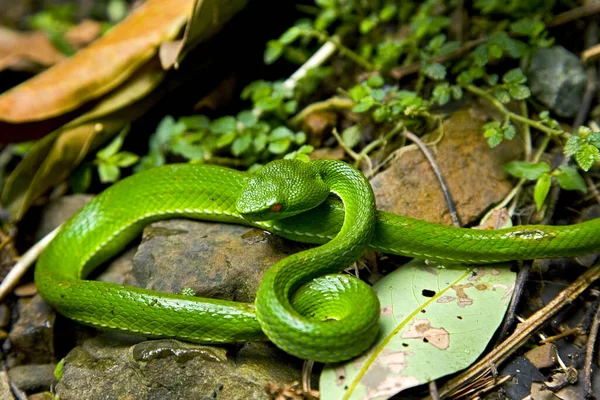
(584, 146)
(496, 132)
(110, 160)
(567, 178)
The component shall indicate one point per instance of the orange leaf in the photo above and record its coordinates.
(98, 68)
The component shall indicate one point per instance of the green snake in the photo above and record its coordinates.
(303, 304)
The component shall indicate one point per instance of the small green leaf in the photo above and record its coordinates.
(108, 173)
(542, 187)
(435, 71)
(247, 118)
(223, 125)
(113, 147)
(569, 179)
(527, 170)
(514, 76)
(508, 130)
(351, 136)
(375, 81)
(519, 92)
(195, 122)
(58, 370)
(281, 132)
(290, 35)
(241, 144)
(358, 92)
(367, 24)
(279, 146)
(572, 146)
(300, 138)
(226, 139)
(260, 142)
(363, 106)
(188, 150)
(274, 51)
(268, 103)
(124, 159)
(586, 156)
(502, 95)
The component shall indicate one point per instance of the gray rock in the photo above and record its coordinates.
(105, 368)
(32, 378)
(58, 211)
(32, 337)
(215, 260)
(557, 79)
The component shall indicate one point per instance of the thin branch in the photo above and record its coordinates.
(317, 59)
(336, 103)
(438, 173)
(523, 332)
(576, 13)
(588, 391)
(522, 277)
(24, 263)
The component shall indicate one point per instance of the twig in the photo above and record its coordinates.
(592, 186)
(306, 372)
(523, 332)
(513, 116)
(433, 391)
(400, 72)
(589, 354)
(522, 276)
(568, 332)
(438, 173)
(576, 13)
(337, 103)
(317, 59)
(526, 133)
(588, 96)
(24, 263)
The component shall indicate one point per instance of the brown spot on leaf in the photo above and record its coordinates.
(445, 299)
(386, 311)
(421, 329)
(477, 275)
(463, 299)
(481, 286)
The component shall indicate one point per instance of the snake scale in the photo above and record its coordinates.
(303, 304)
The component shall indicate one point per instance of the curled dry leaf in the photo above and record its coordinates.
(434, 321)
(53, 157)
(98, 68)
(27, 51)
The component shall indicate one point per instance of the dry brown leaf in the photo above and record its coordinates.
(27, 51)
(207, 19)
(53, 157)
(98, 68)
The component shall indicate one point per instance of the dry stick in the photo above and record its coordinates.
(24, 263)
(576, 13)
(523, 332)
(438, 173)
(588, 391)
(522, 277)
(568, 332)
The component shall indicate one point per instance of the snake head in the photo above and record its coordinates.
(280, 189)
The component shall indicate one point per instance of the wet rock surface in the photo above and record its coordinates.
(107, 368)
(215, 260)
(472, 170)
(557, 79)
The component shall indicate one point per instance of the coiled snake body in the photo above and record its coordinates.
(302, 305)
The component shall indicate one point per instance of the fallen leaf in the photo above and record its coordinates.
(27, 51)
(427, 329)
(208, 17)
(98, 68)
(53, 157)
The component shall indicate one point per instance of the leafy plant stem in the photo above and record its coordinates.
(526, 133)
(513, 116)
(345, 51)
(338, 103)
(515, 191)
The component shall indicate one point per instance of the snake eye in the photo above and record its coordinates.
(276, 207)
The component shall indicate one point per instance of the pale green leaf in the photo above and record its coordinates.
(527, 170)
(586, 156)
(108, 173)
(542, 187)
(435, 71)
(569, 179)
(351, 136)
(434, 322)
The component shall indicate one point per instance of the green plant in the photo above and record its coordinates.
(567, 178)
(110, 160)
